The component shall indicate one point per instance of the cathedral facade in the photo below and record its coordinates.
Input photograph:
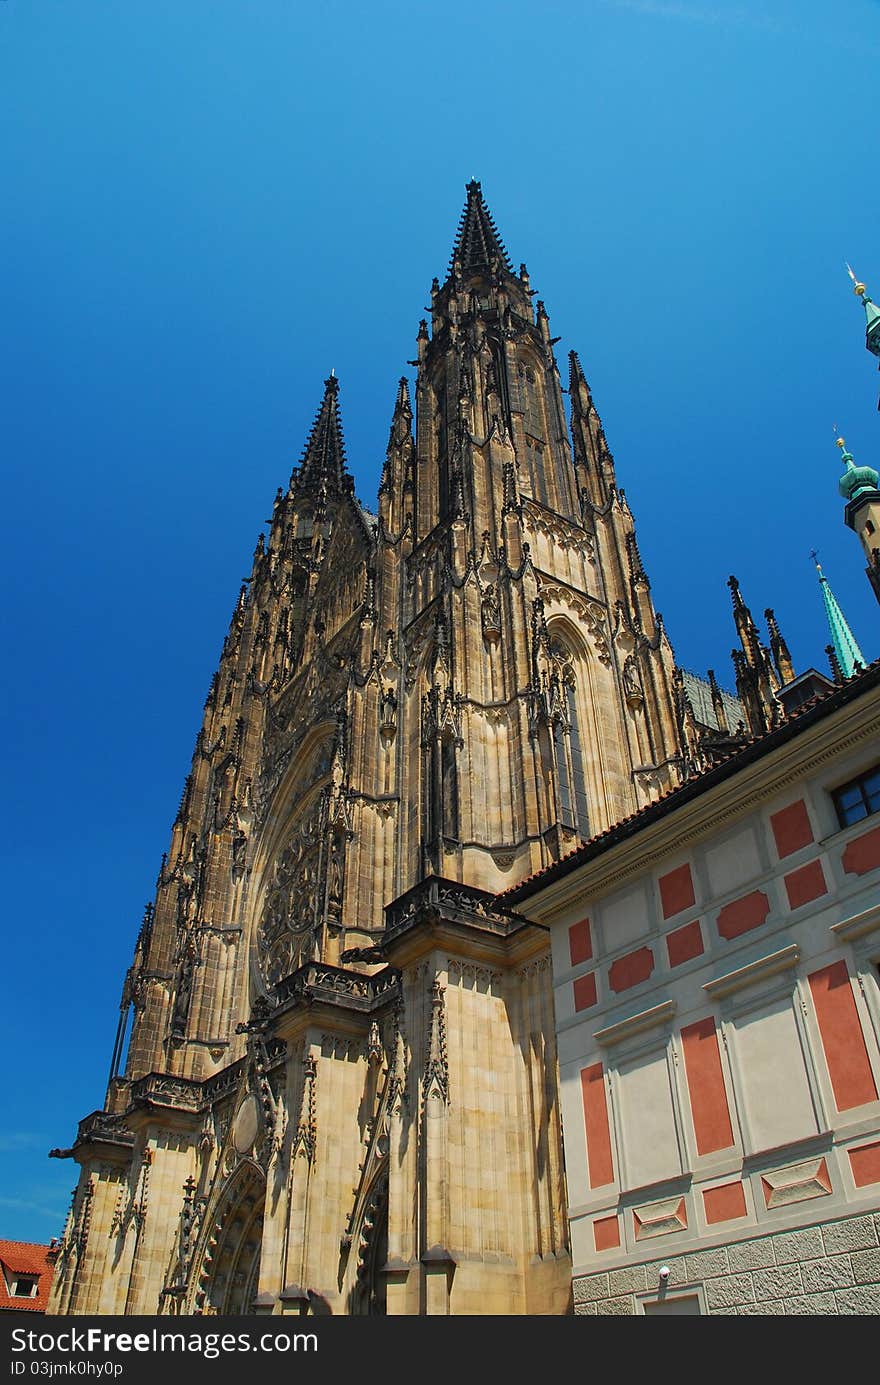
(340, 1091)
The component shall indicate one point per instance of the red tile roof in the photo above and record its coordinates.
(24, 1257)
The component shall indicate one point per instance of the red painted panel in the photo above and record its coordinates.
(630, 970)
(842, 1037)
(599, 1161)
(865, 1163)
(606, 1233)
(684, 943)
(791, 828)
(676, 890)
(862, 853)
(706, 1086)
(805, 884)
(585, 991)
(741, 915)
(580, 942)
(725, 1203)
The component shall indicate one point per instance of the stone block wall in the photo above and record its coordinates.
(830, 1268)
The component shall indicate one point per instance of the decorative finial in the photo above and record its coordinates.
(858, 287)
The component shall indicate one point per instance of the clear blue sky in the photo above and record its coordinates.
(210, 203)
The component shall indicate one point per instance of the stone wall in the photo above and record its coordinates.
(829, 1268)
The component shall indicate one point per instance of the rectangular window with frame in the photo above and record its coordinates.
(859, 798)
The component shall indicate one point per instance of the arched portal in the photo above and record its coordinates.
(226, 1283)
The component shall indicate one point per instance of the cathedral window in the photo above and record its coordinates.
(568, 745)
(449, 779)
(442, 454)
(533, 415)
(535, 457)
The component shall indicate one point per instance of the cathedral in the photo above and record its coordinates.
(335, 1082)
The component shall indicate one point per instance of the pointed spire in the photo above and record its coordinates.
(398, 465)
(717, 702)
(745, 625)
(401, 420)
(779, 649)
(842, 638)
(577, 381)
(322, 466)
(477, 242)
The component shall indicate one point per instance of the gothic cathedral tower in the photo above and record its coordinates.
(340, 1091)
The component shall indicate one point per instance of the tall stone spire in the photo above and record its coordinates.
(477, 242)
(779, 648)
(842, 638)
(322, 466)
(756, 678)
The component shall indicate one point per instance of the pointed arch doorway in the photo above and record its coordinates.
(229, 1265)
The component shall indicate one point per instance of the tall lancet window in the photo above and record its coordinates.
(533, 414)
(442, 453)
(449, 780)
(533, 427)
(568, 745)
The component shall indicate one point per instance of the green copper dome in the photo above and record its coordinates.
(872, 331)
(856, 478)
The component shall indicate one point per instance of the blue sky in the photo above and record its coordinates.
(211, 203)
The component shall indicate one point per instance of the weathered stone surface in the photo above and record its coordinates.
(585, 1310)
(798, 1245)
(729, 1289)
(858, 1300)
(768, 1308)
(620, 1307)
(866, 1266)
(855, 1233)
(590, 1287)
(705, 1263)
(811, 1303)
(783, 1281)
(633, 1279)
(835, 1272)
(751, 1255)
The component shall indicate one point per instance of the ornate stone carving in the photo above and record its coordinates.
(286, 932)
(435, 1084)
(306, 1135)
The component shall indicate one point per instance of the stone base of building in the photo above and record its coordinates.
(831, 1267)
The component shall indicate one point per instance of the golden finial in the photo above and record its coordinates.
(858, 286)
